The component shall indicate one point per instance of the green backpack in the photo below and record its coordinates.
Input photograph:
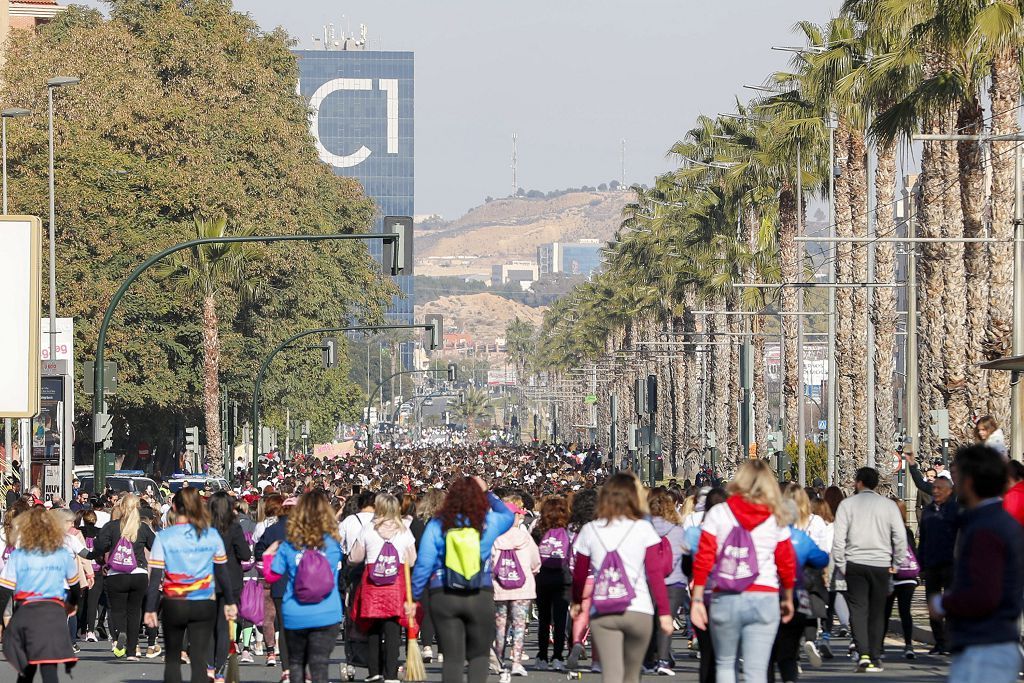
(462, 570)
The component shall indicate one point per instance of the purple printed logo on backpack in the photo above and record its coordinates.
(508, 572)
(251, 562)
(613, 591)
(314, 578)
(122, 557)
(554, 548)
(384, 571)
(90, 543)
(909, 568)
(736, 568)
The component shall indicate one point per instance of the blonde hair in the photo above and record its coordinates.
(386, 508)
(430, 503)
(755, 482)
(310, 520)
(689, 505)
(663, 504)
(39, 531)
(796, 493)
(130, 518)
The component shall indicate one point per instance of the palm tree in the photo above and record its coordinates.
(211, 273)
(475, 404)
(519, 342)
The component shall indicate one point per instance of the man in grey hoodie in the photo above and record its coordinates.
(870, 543)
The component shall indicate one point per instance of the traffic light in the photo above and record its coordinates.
(330, 351)
(652, 394)
(401, 249)
(453, 372)
(192, 439)
(436, 331)
(103, 430)
(639, 396)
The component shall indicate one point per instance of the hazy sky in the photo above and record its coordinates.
(572, 78)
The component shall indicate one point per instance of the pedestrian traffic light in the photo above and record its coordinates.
(330, 351)
(401, 249)
(192, 439)
(453, 372)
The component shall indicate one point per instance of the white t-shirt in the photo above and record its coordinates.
(631, 538)
(102, 517)
(720, 521)
(818, 531)
(374, 543)
(350, 528)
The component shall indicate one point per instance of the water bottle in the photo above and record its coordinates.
(574, 675)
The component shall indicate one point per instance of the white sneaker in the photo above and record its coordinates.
(518, 669)
(440, 658)
(558, 665)
(428, 654)
(813, 656)
(90, 637)
(664, 671)
(504, 677)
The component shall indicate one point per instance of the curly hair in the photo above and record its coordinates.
(311, 520)
(663, 504)
(39, 531)
(554, 514)
(584, 507)
(465, 505)
(429, 503)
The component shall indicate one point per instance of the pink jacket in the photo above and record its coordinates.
(529, 559)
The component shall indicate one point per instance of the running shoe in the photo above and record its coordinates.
(428, 654)
(595, 668)
(258, 648)
(90, 637)
(909, 653)
(558, 665)
(813, 656)
(133, 658)
(271, 659)
(863, 663)
(662, 668)
(75, 648)
(518, 669)
(575, 653)
(874, 668)
(505, 677)
(246, 657)
(541, 665)
(120, 647)
(153, 651)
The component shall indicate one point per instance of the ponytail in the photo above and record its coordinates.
(188, 504)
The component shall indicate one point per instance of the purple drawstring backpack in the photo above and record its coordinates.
(314, 578)
(122, 557)
(554, 548)
(736, 568)
(250, 605)
(508, 572)
(384, 571)
(613, 591)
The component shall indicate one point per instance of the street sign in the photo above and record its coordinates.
(88, 376)
(19, 309)
(822, 425)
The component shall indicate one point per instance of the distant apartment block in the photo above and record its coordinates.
(573, 258)
(522, 272)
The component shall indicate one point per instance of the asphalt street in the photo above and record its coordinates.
(97, 665)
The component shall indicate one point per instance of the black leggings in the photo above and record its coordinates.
(47, 672)
(465, 632)
(904, 593)
(553, 608)
(706, 647)
(427, 627)
(92, 602)
(786, 650)
(310, 648)
(198, 617)
(217, 652)
(125, 593)
(282, 643)
(383, 640)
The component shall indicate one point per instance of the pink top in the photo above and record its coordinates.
(529, 559)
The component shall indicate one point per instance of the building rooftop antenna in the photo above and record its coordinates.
(623, 179)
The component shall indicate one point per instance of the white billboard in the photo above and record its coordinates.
(19, 309)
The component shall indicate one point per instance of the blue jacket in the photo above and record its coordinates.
(430, 556)
(937, 534)
(808, 554)
(296, 615)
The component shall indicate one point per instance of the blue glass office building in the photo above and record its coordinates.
(362, 121)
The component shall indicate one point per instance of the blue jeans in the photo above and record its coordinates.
(747, 620)
(996, 663)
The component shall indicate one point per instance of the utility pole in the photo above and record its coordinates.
(913, 382)
(515, 163)
(833, 367)
(801, 444)
(869, 298)
(623, 177)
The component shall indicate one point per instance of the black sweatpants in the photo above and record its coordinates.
(465, 632)
(217, 651)
(786, 650)
(866, 591)
(310, 648)
(198, 617)
(936, 581)
(125, 594)
(904, 593)
(282, 644)
(47, 673)
(553, 610)
(706, 647)
(92, 602)
(384, 637)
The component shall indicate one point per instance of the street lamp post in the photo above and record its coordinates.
(58, 82)
(8, 422)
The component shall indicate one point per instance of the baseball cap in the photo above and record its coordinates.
(515, 508)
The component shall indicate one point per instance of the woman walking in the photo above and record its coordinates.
(629, 578)
(904, 585)
(460, 584)
(584, 506)
(668, 525)
(124, 541)
(429, 503)
(187, 558)
(90, 596)
(515, 560)
(553, 580)
(386, 546)
(746, 609)
(36, 575)
(224, 519)
(307, 562)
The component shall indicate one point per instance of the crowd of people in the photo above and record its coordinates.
(467, 550)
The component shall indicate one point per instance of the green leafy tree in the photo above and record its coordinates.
(476, 404)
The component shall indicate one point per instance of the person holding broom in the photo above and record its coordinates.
(386, 546)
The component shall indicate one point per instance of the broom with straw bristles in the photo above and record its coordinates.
(414, 670)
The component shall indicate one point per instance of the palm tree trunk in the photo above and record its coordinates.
(791, 265)
(954, 300)
(931, 286)
(1005, 94)
(845, 357)
(760, 390)
(735, 392)
(719, 386)
(859, 322)
(884, 314)
(211, 386)
(970, 121)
